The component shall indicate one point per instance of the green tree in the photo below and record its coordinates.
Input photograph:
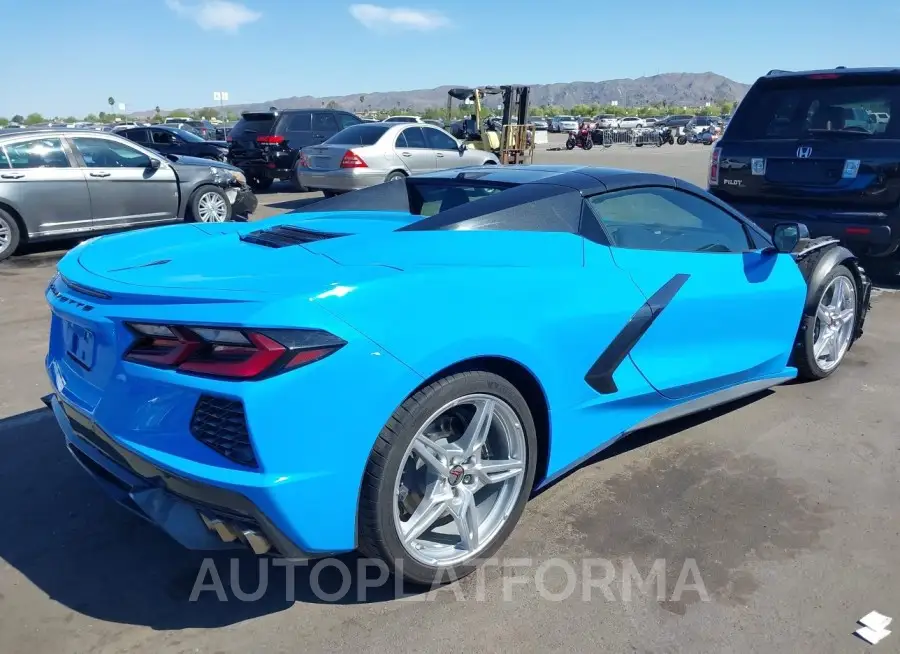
(331, 105)
(70, 119)
(362, 99)
(18, 118)
(3, 122)
(179, 112)
(91, 118)
(103, 116)
(34, 119)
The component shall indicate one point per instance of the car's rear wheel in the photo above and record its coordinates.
(210, 205)
(448, 478)
(826, 335)
(395, 176)
(9, 235)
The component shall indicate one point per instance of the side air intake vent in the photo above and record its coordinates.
(284, 235)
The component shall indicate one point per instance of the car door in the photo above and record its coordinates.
(298, 129)
(413, 150)
(723, 311)
(446, 150)
(125, 189)
(164, 142)
(324, 126)
(39, 179)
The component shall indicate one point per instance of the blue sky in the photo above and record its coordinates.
(69, 57)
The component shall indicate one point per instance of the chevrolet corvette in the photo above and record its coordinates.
(396, 370)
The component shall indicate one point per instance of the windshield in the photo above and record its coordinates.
(363, 134)
(818, 106)
(190, 137)
(567, 118)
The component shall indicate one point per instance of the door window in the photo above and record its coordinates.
(323, 121)
(413, 138)
(300, 122)
(138, 135)
(37, 153)
(103, 153)
(668, 219)
(162, 137)
(347, 120)
(438, 139)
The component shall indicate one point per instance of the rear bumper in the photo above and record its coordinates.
(344, 179)
(866, 236)
(197, 515)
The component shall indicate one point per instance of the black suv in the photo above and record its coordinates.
(266, 144)
(821, 148)
(170, 140)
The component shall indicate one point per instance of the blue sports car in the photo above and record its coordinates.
(397, 369)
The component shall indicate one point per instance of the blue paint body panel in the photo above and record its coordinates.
(408, 304)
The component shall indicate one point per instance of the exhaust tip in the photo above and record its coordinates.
(257, 542)
(229, 533)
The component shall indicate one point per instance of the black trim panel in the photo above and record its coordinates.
(600, 375)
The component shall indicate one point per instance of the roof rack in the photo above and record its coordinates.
(775, 71)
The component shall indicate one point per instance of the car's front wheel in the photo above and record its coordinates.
(826, 335)
(448, 478)
(210, 205)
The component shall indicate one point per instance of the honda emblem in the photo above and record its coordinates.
(804, 152)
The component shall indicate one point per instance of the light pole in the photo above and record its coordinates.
(221, 97)
(624, 95)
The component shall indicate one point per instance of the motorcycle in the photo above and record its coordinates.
(581, 138)
(666, 135)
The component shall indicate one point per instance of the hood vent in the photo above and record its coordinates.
(285, 235)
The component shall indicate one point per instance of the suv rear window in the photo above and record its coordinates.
(363, 134)
(253, 123)
(818, 106)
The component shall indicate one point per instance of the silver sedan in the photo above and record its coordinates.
(371, 153)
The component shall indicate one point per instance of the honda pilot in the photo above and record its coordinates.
(821, 148)
(266, 144)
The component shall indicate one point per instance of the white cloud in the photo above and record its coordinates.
(212, 15)
(398, 18)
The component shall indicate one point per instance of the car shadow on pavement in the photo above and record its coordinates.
(65, 536)
(293, 205)
(642, 437)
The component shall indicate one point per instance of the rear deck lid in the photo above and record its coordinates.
(329, 155)
(814, 140)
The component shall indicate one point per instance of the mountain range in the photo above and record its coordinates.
(675, 89)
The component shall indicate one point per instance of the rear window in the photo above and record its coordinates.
(254, 123)
(363, 134)
(810, 107)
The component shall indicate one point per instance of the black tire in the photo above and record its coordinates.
(378, 536)
(204, 191)
(804, 358)
(681, 140)
(259, 184)
(638, 145)
(395, 176)
(570, 144)
(9, 224)
(329, 194)
(588, 144)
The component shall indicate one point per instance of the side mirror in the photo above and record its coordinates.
(786, 236)
(462, 148)
(154, 164)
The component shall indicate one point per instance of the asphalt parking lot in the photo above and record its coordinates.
(785, 503)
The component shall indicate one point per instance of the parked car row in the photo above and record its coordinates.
(67, 183)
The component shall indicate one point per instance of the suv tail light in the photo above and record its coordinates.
(714, 166)
(229, 353)
(270, 140)
(352, 160)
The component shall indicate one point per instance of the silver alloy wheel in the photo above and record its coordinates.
(5, 235)
(835, 319)
(212, 207)
(460, 479)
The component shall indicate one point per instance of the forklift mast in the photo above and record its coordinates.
(516, 103)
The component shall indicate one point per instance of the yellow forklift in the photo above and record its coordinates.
(512, 140)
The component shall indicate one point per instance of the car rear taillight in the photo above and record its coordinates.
(352, 160)
(228, 353)
(824, 76)
(302, 161)
(270, 140)
(714, 166)
(228, 138)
